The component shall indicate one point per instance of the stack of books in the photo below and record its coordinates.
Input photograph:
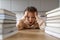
(53, 22)
(7, 22)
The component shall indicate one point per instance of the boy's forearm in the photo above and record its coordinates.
(41, 23)
(19, 27)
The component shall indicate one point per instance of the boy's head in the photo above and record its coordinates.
(30, 15)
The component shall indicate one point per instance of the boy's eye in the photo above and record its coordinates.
(33, 17)
(27, 17)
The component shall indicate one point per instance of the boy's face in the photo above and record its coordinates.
(30, 17)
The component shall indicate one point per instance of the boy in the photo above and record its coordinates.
(30, 19)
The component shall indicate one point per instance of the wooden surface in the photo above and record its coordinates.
(31, 35)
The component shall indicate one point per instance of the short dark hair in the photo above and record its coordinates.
(31, 9)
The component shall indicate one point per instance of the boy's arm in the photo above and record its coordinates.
(20, 25)
(41, 22)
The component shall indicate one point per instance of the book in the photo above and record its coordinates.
(55, 30)
(55, 21)
(7, 21)
(7, 17)
(54, 14)
(53, 24)
(3, 11)
(53, 18)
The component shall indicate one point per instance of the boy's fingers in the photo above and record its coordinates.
(25, 13)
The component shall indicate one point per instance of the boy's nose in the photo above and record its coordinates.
(30, 20)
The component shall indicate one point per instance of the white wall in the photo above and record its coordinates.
(5, 4)
(20, 5)
(47, 5)
(59, 3)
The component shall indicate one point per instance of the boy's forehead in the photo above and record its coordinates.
(28, 12)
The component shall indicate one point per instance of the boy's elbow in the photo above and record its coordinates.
(19, 27)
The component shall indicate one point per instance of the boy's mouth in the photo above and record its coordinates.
(30, 22)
